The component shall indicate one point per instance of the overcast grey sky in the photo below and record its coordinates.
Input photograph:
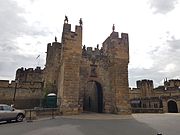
(26, 26)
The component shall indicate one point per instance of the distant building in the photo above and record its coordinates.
(164, 98)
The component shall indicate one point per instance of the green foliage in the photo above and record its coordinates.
(50, 87)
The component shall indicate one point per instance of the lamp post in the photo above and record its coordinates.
(14, 97)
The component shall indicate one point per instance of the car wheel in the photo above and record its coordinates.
(19, 117)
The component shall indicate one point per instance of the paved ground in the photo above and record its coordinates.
(168, 123)
(97, 124)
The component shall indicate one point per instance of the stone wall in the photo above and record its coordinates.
(108, 66)
(27, 94)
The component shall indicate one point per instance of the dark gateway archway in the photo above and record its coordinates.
(93, 97)
(172, 107)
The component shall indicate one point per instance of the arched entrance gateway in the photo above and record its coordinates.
(172, 106)
(93, 97)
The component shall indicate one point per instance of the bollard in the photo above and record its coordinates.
(52, 114)
(30, 119)
(30, 115)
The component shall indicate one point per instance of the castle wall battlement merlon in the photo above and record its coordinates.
(66, 28)
(125, 37)
(78, 29)
(49, 45)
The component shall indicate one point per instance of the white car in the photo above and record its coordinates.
(8, 113)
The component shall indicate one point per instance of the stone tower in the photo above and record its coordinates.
(146, 87)
(69, 77)
(117, 50)
(52, 67)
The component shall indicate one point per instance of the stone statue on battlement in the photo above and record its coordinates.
(98, 46)
(80, 22)
(55, 39)
(66, 19)
(84, 48)
(113, 27)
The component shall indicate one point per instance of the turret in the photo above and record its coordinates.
(73, 37)
(117, 50)
(52, 66)
(117, 47)
(146, 87)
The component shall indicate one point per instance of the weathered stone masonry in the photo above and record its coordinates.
(84, 79)
(87, 79)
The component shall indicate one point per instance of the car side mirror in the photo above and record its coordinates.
(13, 109)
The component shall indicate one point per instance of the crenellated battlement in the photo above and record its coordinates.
(70, 35)
(117, 47)
(145, 82)
(114, 36)
(53, 45)
(172, 83)
(90, 52)
(169, 85)
(29, 74)
(113, 45)
(67, 29)
(146, 87)
(22, 70)
(53, 53)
